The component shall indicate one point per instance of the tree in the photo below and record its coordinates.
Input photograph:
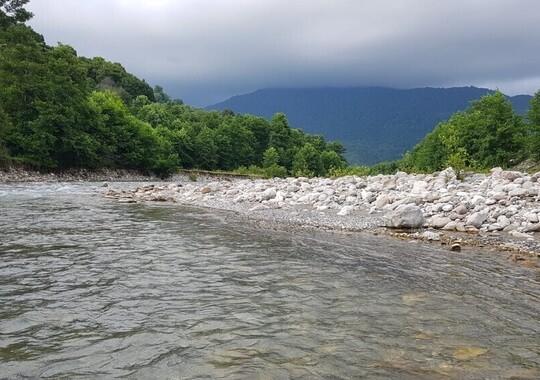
(156, 114)
(206, 151)
(160, 95)
(336, 146)
(280, 132)
(43, 90)
(261, 132)
(13, 12)
(331, 160)
(235, 146)
(307, 162)
(491, 133)
(533, 125)
(487, 134)
(128, 142)
(5, 129)
(111, 76)
(66, 111)
(533, 113)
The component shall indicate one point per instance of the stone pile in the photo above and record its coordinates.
(505, 201)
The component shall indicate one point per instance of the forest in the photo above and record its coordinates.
(487, 134)
(375, 124)
(59, 111)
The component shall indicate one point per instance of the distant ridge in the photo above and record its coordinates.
(374, 123)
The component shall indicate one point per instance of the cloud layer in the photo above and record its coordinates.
(206, 50)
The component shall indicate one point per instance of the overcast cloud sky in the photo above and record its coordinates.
(204, 51)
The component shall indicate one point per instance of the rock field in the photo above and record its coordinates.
(502, 206)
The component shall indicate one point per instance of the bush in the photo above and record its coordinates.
(250, 170)
(275, 171)
(360, 171)
(192, 176)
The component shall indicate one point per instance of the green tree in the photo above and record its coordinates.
(5, 129)
(66, 111)
(533, 125)
(44, 92)
(13, 12)
(487, 134)
(270, 157)
(307, 162)
(260, 129)
(205, 150)
(336, 146)
(428, 155)
(160, 95)
(331, 160)
(492, 134)
(156, 114)
(110, 76)
(235, 146)
(281, 139)
(128, 142)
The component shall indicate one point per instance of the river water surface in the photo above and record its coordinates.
(90, 288)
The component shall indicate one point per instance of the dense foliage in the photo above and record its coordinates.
(375, 124)
(61, 111)
(486, 135)
(533, 126)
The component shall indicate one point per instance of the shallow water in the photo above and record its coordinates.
(90, 288)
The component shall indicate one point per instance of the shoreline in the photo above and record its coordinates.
(353, 204)
(19, 175)
(357, 204)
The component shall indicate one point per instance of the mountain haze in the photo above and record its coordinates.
(375, 124)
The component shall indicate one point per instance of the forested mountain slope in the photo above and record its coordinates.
(375, 124)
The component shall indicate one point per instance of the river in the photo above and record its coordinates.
(90, 288)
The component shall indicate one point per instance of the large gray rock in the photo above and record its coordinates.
(269, 194)
(476, 219)
(383, 200)
(406, 216)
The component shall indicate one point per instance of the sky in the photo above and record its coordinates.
(205, 51)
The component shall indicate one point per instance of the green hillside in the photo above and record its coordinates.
(60, 111)
(375, 124)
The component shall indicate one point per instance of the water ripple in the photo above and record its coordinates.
(95, 289)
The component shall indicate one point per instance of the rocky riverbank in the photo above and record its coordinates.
(500, 209)
(20, 175)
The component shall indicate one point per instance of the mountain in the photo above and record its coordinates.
(375, 124)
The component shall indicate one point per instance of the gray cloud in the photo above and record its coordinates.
(206, 50)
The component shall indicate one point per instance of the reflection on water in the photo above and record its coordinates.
(90, 288)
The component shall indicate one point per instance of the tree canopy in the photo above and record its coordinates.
(13, 12)
(485, 135)
(61, 111)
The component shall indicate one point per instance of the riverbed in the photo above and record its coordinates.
(91, 288)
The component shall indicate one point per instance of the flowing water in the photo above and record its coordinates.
(90, 288)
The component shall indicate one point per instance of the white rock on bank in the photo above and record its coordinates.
(440, 221)
(269, 194)
(406, 216)
(476, 219)
(346, 210)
